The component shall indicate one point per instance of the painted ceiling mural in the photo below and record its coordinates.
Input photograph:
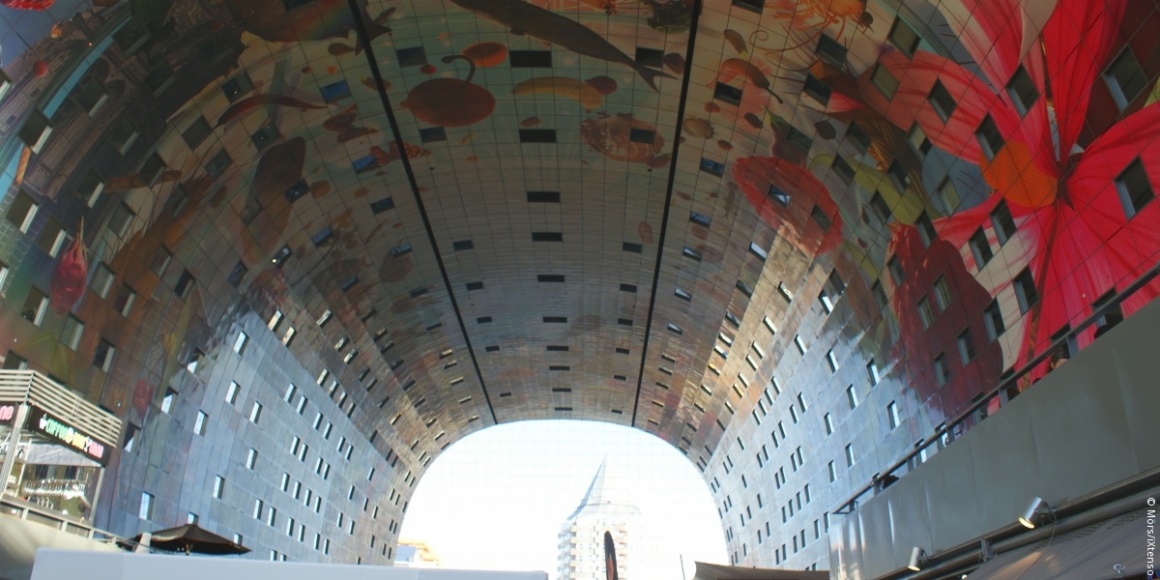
(529, 208)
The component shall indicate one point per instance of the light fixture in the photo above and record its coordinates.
(917, 557)
(1036, 508)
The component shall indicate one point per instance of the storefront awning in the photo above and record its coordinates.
(1109, 549)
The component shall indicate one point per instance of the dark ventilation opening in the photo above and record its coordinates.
(530, 58)
(550, 278)
(299, 189)
(624, 321)
(322, 236)
(414, 56)
(484, 320)
(537, 135)
(432, 134)
(556, 319)
(621, 351)
(631, 247)
(727, 94)
(557, 348)
(650, 57)
(543, 197)
(475, 286)
(642, 136)
(382, 205)
(628, 288)
(492, 348)
(547, 237)
(463, 245)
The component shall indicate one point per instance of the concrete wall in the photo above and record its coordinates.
(1083, 427)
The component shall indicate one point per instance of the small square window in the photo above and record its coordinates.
(125, 299)
(90, 188)
(184, 284)
(35, 131)
(966, 346)
(831, 51)
(884, 81)
(942, 101)
(1025, 292)
(161, 261)
(925, 314)
(73, 329)
(727, 94)
(904, 37)
(989, 137)
(103, 355)
(22, 211)
(335, 92)
(917, 139)
(880, 208)
(993, 320)
(122, 137)
(843, 169)
(52, 238)
(1125, 78)
(942, 293)
(412, 56)
(817, 89)
(197, 132)
(980, 248)
(1002, 222)
(1134, 188)
(530, 58)
(1022, 91)
(779, 196)
(712, 167)
(926, 231)
(895, 268)
(942, 372)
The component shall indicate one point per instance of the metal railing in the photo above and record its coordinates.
(28, 511)
(946, 433)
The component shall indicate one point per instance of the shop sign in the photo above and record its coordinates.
(42, 422)
(7, 413)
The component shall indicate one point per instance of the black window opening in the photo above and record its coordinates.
(631, 247)
(537, 135)
(1125, 78)
(551, 278)
(942, 101)
(530, 58)
(1022, 91)
(547, 236)
(543, 197)
(1134, 188)
(903, 37)
(727, 94)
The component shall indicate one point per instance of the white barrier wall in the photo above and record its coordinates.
(58, 564)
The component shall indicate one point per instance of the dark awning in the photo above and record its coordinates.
(1104, 550)
(719, 572)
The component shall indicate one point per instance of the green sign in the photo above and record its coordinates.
(41, 422)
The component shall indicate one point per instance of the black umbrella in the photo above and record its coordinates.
(192, 538)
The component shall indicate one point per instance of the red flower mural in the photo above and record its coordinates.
(792, 201)
(1078, 238)
(68, 279)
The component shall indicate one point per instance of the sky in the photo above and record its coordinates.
(496, 499)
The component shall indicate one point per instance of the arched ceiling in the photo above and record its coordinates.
(519, 209)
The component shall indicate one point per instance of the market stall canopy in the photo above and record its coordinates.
(719, 572)
(194, 539)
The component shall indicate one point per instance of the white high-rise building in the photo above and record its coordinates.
(605, 507)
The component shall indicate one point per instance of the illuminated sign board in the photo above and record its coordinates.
(7, 413)
(56, 429)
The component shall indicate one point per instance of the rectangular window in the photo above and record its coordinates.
(103, 355)
(966, 346)
(925, 314)
(184, 284)
(989, 137)
(73, 329)
(255, 412)
(219, 486)
(1134, 188)
(942, 372)
(926, 231)
(942, 293)
(1025, 292)
(850, 455)
(52, 238)
(829, 423)
(941, 101)
(1125, 78)
(980, 248)
(232, 392)
(1022, 91)
(895, 268)
(884, 81)
(1002, 222)
(240, 342)
(833, 471)
(35, 306)
(35, 130)
(22, 212)
(121, 219)
(993, 320)
(146, 510)
(251, 458)
(872, 372)
(904, 37)
(199, 423)
(90, 188)
(797, 341)
(832, 360)
(167, 401)
(852, 397)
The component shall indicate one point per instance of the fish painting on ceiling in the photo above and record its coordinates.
(526, 18)
(296, 21)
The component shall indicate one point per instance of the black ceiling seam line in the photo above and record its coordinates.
(364, 40)
(652, 300)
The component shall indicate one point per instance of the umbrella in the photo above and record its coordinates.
(192, 538)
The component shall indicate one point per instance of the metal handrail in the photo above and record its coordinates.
(948, 429)
(21, 509)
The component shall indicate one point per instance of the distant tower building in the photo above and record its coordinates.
(604, 508)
